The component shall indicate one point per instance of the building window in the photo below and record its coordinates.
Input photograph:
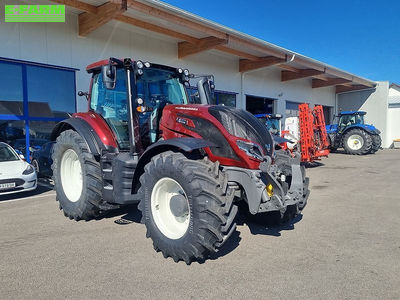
(11, 92)
(292, 109)
(33, 98)
(51, 92)
(225, 98)
(220, 97)
(259, 105)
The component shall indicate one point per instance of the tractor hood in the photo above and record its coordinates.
(243, 124)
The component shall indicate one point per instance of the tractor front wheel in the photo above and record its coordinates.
(77, 177)
(187, 206)
(357, 142)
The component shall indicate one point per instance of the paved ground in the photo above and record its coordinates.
(345, 246)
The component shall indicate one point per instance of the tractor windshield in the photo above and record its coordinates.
(158, 86)
(348, 120)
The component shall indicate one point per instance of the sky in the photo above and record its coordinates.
(361, 37)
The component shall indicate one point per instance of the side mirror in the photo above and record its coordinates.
(109, 73)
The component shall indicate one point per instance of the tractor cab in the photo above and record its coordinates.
(152, 87)
(348, 118)
(272, 122)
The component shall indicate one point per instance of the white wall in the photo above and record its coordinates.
(59, 44)
(394, 91)
(394, 115)
(394, 123)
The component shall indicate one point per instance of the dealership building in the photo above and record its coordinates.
(43, 65)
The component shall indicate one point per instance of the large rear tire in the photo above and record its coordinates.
(187, 206)
(376, 143)
(357, 142)
(77, 177)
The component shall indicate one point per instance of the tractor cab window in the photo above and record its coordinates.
(157, 88)
(112, 106)
(348, 120)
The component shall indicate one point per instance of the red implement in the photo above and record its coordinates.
(313, 137)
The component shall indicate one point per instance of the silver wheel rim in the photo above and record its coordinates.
(71, 175)
(355, 142)
(173, 227)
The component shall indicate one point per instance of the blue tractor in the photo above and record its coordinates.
(353, 135)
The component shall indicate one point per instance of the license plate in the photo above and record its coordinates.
(4, 186)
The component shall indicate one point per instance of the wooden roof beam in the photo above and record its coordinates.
(204, 44)
(78, 5)
(318, 83)
(301, 73)
(156, 28)
(249, 65)
(89, 22)
(356, 87)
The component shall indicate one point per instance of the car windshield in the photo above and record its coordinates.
(348, 120)
(6, 154)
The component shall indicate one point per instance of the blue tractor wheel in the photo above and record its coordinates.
(357, 142)
(376, 143)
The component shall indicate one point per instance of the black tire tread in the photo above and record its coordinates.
(376, 143)
(217, 217)
(89, 208)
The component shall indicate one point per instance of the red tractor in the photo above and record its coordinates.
(187, 165)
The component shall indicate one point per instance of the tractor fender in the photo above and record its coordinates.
(369, 129)
(79, 125)
(186, 144)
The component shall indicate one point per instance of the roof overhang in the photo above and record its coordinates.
(195, 34)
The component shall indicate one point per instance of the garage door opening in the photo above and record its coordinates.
(259, 105)
(327, 114)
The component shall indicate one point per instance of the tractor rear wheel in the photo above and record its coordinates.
(376, 143)
(187, 206)
(357, 142)
(77, 177)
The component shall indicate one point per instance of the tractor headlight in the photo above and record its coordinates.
(251, 149)
(186, 72)
(147, 64)
(29, 170)
(139, 64)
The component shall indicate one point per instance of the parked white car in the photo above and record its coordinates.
(16, 175)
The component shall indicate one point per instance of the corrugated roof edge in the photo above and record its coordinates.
(394, 100)
(194, 17)
(394, 85)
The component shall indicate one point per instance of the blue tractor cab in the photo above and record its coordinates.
(272, 121)
(352, 134)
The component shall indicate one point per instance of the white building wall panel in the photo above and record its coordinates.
(393, 124)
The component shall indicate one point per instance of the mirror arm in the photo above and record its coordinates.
(86, 94)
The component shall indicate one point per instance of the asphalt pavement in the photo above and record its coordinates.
(346, 245)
